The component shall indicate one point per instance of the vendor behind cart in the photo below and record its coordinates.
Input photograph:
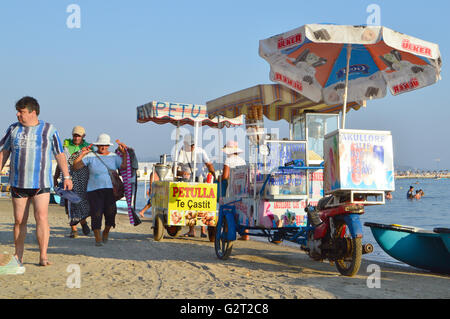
(186, 168)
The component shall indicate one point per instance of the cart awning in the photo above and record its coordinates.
(278, 102)
(181, 114)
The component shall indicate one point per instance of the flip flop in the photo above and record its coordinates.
(69, 195)
(203, 235)
(187, 235)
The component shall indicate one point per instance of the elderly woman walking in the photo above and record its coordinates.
(77, 212)
(100, 189)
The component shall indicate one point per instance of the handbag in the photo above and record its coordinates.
(116, 181)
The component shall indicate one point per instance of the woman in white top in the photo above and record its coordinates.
(233, 159)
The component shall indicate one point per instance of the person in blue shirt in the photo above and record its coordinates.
(100, 189)
(30, 144)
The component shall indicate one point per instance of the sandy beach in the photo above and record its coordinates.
(132, 265)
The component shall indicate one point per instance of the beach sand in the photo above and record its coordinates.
(132, 265)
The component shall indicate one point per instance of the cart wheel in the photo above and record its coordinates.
(158, 228)
(212, 234)
(223, 246)
(174, 231)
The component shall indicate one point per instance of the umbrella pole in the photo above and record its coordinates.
(195, 149)
(175, 166)
(218, 155)
(344, 107)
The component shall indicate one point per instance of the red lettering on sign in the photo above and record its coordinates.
(283, 78)
(406, 86)
(293, 39)
(407, 45)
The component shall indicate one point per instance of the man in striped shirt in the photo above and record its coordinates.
(30, 143)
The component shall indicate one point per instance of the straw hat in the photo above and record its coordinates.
(79, 130)
(103, 139)
(231, 147)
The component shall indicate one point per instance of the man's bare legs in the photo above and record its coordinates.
(21, 212)
(21, 208)
(40, 203)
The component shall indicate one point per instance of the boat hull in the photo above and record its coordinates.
(414, 246)
(445, 236)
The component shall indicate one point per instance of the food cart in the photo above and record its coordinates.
(176, 202)
(284, 175)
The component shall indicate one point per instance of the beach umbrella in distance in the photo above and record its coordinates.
(342, 63)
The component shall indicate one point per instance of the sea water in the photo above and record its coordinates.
(431, 211)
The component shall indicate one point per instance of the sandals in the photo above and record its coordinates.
(86, 229)
(203, 235)
(73, 234)
(98, 243)
(187, 235)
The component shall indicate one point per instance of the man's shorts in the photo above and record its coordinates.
(28, 192)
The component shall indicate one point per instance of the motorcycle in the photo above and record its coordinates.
(335, 233)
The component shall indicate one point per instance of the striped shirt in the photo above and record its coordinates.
(31, 148)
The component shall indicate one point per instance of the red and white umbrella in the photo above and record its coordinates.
(341, 63)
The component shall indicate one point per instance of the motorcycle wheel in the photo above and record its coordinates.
(349, 264)
(222, 246)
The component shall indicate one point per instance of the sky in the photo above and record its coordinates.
(119, 54)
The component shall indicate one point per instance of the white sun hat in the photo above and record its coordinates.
(231, 147)
(103, 139)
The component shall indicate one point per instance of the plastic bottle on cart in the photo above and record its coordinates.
(209, 178)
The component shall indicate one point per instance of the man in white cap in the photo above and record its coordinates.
(186, 168)
(186, 160)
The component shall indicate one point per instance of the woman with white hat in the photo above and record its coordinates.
(232, 150)
(100, 188)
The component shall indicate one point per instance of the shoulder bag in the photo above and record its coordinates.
(118, 187)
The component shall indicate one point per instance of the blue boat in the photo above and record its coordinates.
(445, 236)
(414, 246)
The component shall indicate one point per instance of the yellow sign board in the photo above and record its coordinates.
(186, 204)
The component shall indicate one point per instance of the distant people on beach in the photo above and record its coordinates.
(388, 195)
(25, 142)
(410, 193)
(77, 212)
(99, 188)
(419, 194)
(185, 158)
